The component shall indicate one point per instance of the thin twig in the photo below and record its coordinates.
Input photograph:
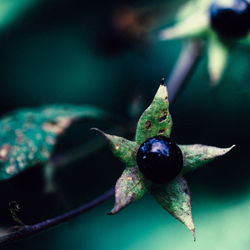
(182, 71)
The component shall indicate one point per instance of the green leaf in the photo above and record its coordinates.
(217, 58)
(197, 155)
(122, 148)
(28, 136)
(130, 187)
(175, 197)
(156, 119)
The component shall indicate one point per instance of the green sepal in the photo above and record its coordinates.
(156, 119)
(217, 58)
(190, 7)
(175, 197)
(197, 155)
(28, 136)
(130, 187)
(122, 148)
(196, 25)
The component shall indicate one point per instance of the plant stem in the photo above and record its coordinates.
(182, 71)
(27, 230)
(184, 68)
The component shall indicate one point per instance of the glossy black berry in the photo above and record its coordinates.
(230, 18)
(159, 159)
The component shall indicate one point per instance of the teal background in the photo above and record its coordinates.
(51, 51)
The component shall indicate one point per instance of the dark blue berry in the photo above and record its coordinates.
(159, 159)
(230, 18)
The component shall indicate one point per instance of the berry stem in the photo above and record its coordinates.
(184, 68)
(181, 73)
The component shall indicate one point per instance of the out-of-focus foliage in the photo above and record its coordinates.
(193, 21)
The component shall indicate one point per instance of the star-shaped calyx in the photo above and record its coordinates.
(221, 22)
(155, 164)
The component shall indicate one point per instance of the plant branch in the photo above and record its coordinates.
(181, 73)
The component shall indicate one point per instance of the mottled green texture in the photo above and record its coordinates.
(192, 22)
(175, 197)
(197, 155)
(130, 187)
(28, 136)
(122, 148)
(156, 119)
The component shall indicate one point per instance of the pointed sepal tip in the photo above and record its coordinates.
(130, 187)
(196, 155)
(122, 148)
(156, 119)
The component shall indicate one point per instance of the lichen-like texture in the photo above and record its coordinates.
(175, 197)
(197, 155)
(156, 119)
(130, 187)
(28, 136)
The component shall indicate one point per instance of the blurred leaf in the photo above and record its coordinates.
(175, 197)
(156, 119)
(122, 148)
(197, 155)
(130, 187)
(28, 136)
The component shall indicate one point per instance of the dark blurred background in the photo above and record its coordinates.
(106, 53)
